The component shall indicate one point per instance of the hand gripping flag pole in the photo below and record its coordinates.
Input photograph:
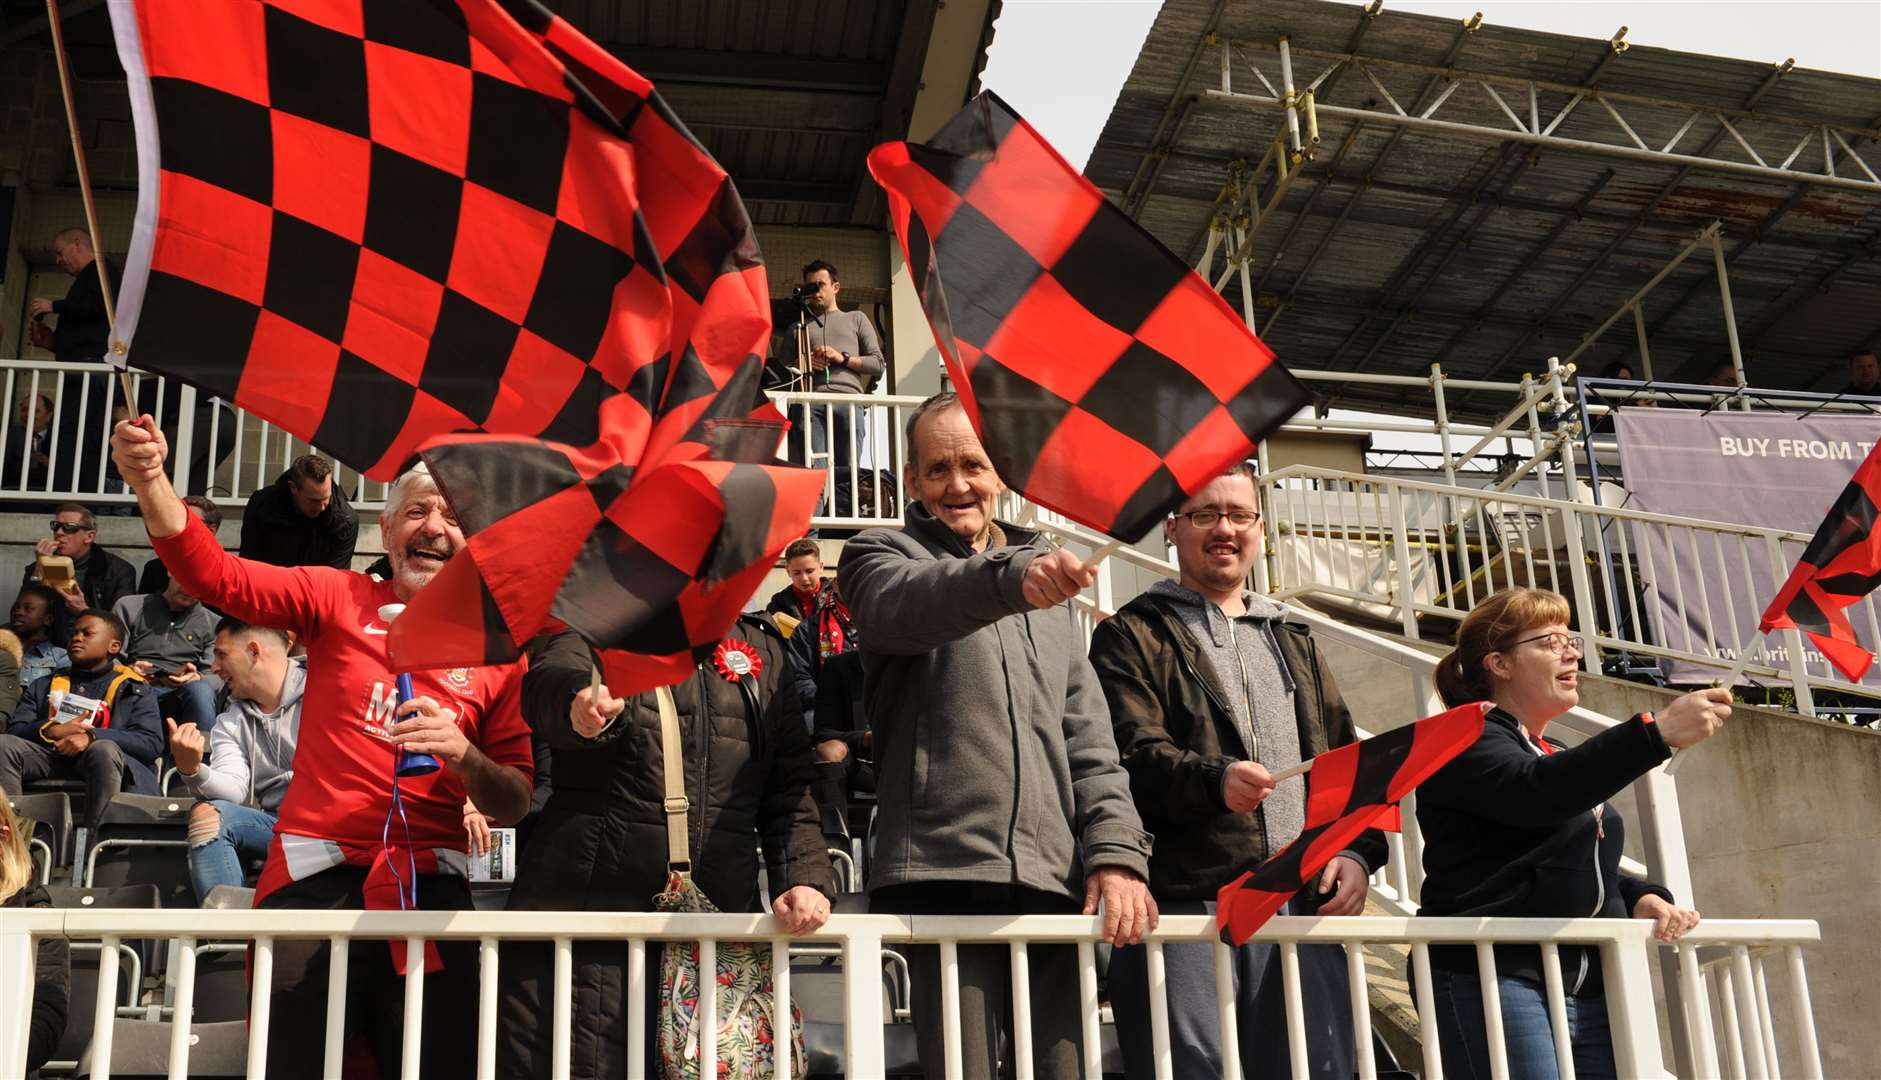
(1348, 790)
(409, 764)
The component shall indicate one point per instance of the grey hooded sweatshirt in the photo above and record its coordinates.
(251, 753)
(994, 755)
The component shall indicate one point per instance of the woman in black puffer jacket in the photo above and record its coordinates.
(601, 842)
(1519, 825)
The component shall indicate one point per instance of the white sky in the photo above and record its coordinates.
(1060, 63)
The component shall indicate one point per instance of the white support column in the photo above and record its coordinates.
(1730, 316)
(1290, 99)
(18, 957)
(1631, 1012)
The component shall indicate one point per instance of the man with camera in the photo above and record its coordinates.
(844, 356)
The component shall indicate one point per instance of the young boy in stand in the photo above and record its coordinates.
(96, 720)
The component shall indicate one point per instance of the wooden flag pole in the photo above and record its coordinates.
(1301, 769)
(1104, 552)
(84, 190)
(1729, 681)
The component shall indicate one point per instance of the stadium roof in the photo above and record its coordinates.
(1451, 212)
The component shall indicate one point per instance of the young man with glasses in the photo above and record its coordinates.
(1212, 689)
(102, 579)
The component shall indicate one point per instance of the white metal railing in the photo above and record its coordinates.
(1413, 549)
(1725, 958)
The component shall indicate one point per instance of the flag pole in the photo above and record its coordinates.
(1727, 682)
(1103, 553)
(84, 190)
(1301, 769)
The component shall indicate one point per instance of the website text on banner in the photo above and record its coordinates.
(1772, 470)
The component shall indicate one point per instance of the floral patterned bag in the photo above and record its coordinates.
(747, 1045)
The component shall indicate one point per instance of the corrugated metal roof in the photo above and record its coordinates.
(788, 95)
(1397, 247)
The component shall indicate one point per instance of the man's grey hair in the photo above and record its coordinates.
(946, 399)
(409, 485)
(72, 236)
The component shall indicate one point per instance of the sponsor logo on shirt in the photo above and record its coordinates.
(379, 710)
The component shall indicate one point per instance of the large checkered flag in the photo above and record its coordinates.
(387, 224)
(375, 221)
(1104, 377)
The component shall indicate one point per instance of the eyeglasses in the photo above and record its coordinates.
(67, 527)
(1556, 643)
(1208, 519)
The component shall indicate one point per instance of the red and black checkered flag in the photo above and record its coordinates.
(1841, 565)
(651, 564)
(374, 221)
(1348, 791)
(1104, 377)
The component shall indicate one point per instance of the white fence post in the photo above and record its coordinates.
(862, 989)
(18, 956)
(1631, 1011)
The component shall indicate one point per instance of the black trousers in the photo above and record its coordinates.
(101, 766)
(986, 1035)
(375, 992)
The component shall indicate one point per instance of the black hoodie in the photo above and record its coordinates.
(1512, 831)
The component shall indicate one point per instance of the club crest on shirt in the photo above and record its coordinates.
(458, 678)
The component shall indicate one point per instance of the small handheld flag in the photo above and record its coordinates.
(1841, 565)
(1348, 791)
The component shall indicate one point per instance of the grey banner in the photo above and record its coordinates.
(1703, 593)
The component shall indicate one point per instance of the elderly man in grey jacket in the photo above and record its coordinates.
(997, 771)
(250, 759)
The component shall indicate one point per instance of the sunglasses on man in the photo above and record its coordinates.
(68, 527)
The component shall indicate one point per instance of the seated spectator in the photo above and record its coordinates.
(845, 755)
(1724, 374)
(338, 843)
(250, 754)
(172, 644)
(154, 577)
(602, 842)
(28, 442)
(301, 519)
(824, 631)
(95, 720)
(52, 971)
(35, 622)
(804, 563)
(10, 654)
(1864, 375)
(1519, 825)
(102, 577)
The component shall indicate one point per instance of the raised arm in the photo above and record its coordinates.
(905, 606)
(255, 592)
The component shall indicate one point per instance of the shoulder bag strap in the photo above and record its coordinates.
(678, 849)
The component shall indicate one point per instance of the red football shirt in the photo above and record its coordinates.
(343, 763)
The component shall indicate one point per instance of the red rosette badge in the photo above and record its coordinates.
(736, 659)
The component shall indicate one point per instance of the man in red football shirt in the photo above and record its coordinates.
(340, 842)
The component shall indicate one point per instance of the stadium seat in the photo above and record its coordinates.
(140, 1050)
(143, 839)
(84, 985)
(51, 815)
(222, 966)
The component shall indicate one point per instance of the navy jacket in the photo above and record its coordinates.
(136, 722)
(1510, 831)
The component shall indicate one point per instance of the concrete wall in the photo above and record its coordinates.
(1782, 819)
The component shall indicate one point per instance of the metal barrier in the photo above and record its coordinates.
(1749, 1035)
(1412, 550)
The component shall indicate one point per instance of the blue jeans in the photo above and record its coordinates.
(191, 703)
(1526, 1033)
(830, 428)
(1260, 1007)
(242, 838)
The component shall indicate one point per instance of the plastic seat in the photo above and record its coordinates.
(51, 815)
(140, 1050)
(143, 839)
(82, 1008)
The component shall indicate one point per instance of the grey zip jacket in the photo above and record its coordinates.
(251, 753)
(994, 756)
